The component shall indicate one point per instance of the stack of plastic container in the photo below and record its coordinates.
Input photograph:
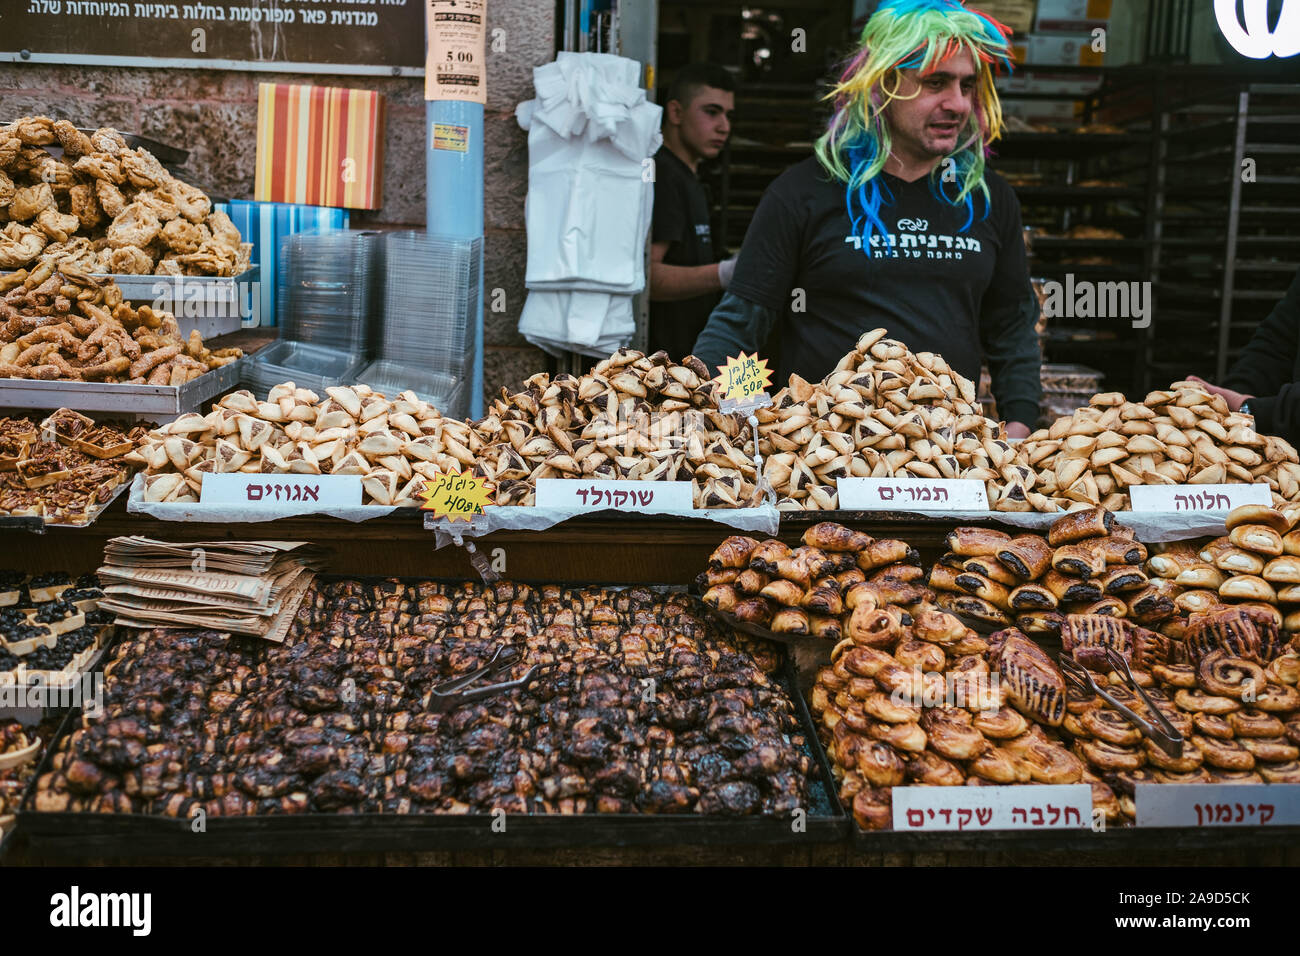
(430, 299)
(326, 301)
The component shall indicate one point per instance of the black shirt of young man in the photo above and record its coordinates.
(932, 286)
(681, 219)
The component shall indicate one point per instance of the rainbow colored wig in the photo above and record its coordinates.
(911, 34)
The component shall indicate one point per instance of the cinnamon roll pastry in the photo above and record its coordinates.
(1116, 549)
(1213, 725)
(1256, 538)
(854, 717)
(1078, 525)
(1222, 675)
(1293, 730)
(1224, 754)
(750, 582)
(1201, 576)
(1126, 782)
(734, 552)
(1078, 560)
(766, 554)
(1140, 677)
(890, 709)
(1071, 589)
(880, 764)
(902, 681)
(826, 601)
(1046, 623)
(1073, 726)
(1247, 587)
(1174, 559)
(989, 567)
(723, 597)
(885, 551)
(872, 627)
(1270, 749)
(1277, 699)
(972, 607)
(920, 655)
(1110, 726)
(790, 620)
(1235, 776)
(1027, 556)
(1175, 675)
(950, 733)
(1188, 761)
(977, 542)
(872, 809)
(1251, 722)
(982, 587)
(1284, 669)
(976, 691)
(1033, 683)
(862, 594)
(931, 770)
(937, 627)
(1106, 756)
(1105, 800)
(827, 628)
(1032, 597)
(969, 664)
(1288, 772)
(1246, 515)
(907, 737)
(829, 536)
(846, 579)
(1199, 702)
(996, 765)
(1078, 700)
(1199, 775)
(755, 610)
(1004, 723)
(971, 643)
(851, 784)
(1123, 578)
(1049, 762)
(818, 698)
(1106, 607)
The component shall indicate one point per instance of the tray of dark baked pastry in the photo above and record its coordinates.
(106, 835)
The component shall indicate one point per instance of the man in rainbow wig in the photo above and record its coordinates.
(896, 222)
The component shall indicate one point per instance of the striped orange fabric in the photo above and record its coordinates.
(319, 146)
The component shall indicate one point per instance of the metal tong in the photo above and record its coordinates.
(1162, 733)
(451, 694)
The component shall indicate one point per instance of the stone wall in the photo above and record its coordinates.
(213, 114)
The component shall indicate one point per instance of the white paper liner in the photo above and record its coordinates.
(764, 519)
(191, 511)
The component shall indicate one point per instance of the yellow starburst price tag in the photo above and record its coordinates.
(457, 497)
(743, 380)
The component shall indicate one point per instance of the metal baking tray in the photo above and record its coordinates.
(82, 835)
(119, 398)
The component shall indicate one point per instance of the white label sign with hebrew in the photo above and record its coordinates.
(282, 492)
(912, 494)
(633, 497)
(1193, 498)
(1218, 805)
(1049, 807)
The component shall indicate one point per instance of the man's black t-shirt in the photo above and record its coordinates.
(928, 282)
(681, 218)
